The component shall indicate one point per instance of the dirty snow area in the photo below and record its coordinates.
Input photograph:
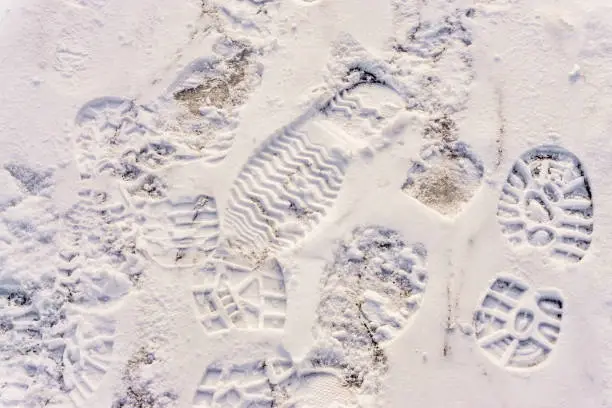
(305, 203)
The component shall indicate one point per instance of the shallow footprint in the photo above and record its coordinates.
(179, 232)
(268, 379)
(260, 381)
(546, 203)
(370, 294)
(516, 326)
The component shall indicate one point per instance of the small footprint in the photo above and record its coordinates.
(69, 61)
(516, 326)
(546, 203)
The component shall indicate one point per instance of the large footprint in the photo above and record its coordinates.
(97, 266)
(370, 294)
(546, 203)
(284, 190)
(294, 177)
(516, 326)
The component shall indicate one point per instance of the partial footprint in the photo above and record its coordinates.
(446, 176)
(516, 326)
(293, 179)
(87, 352)
(181, 231)
(238, 385)
(232, 296)
(370, 294)
(99, 234)
(97, 265)
(546, 203)
(106, 128)
(175, 230)
(270, 380)
(56, 336)
(200, 110)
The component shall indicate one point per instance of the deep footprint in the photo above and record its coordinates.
(294, 178)
(546, 203)
(517, 327)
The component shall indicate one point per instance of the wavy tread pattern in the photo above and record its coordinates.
(281, 193)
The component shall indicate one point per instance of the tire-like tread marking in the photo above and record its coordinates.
(293, 179)
(262, 196)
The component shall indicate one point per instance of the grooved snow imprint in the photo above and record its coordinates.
(106, 128)
(180, 232)
(546, 203)
(251, 384)
(232, 296)
(56, 323)
(294, 178)
(282, 192)
(273, 380)
(386, 276)
(370, 292)
(516, 326)
(96, 262)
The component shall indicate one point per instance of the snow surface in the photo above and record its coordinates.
(305, 203)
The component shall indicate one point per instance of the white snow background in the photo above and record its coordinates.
(305, 203)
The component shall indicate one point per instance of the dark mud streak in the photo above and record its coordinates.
(501, 133)
(446, 348)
